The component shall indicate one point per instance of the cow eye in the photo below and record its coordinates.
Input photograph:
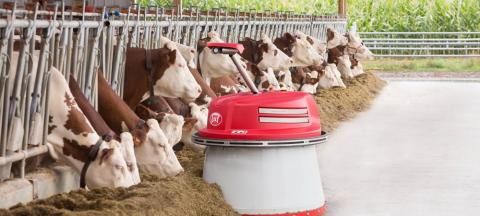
(275, 53)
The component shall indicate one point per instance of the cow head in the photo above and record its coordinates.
(331, 78)
(71, 136)
(335, 39)
(284, 78)
(127, 147)
(311, 82)
(176, 80)
(268, 81)
(195, 123)
(109, 168)
(344, 65)
(188, 53)
(216, 65)
(264, 54)
(356, 47)
(301, 51)
(171, 125)
(156, 155)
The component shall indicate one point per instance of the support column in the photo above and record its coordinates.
(177, 4)
(342, 8)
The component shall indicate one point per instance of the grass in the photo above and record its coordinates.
(424, 65)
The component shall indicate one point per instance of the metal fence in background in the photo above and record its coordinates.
(79, 43)
(422, 44)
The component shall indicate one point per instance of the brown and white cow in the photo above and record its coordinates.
(335, 39)
(331, 78)
(187, 52)
(101, 127)
(71, 139)
(158, 108)
(264, 54)
(152, 148)
(213, 65)
(300, 50)
(337, 52)
(356, 48)
(357, 52)
(163, 70)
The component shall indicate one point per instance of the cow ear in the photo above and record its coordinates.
(159, 116)
(138, 136)
(172, 55)
(189, 123)
(264, 47)
(289, 37)
(310, 40)
(105, 154)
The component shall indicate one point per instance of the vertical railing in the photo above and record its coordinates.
(78, 43)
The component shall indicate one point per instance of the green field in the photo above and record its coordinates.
(424, 65)
(370, 15)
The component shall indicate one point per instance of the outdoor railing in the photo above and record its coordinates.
(423, 44)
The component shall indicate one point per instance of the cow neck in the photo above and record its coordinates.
(139, 79)
(157, 104)
(97, 122)
(206, 90)
(179, 107)
(114, 110)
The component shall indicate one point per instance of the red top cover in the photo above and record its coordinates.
(236, 46)
(263, 116)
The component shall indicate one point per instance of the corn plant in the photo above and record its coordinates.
(370, 15)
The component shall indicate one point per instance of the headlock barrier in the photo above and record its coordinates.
(79, 42)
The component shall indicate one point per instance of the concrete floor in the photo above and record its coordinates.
(415, 152)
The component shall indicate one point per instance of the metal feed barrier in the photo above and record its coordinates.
(422, 44)
(79, 43)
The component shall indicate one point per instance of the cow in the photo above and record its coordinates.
(213, 65)
(337, 53)
(301, 51)
(101, 127)
(284, 78)
(357, 52)
(152, 148)
(321, 48)
(264, 80)
(161, 72)
(335, 39)
(188, 53)
(356, 48)
(331, 78)
(264, 54)
(72, 139)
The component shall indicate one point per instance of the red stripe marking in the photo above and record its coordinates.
(314, 212)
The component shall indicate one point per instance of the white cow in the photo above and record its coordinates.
(272, 57)
(200, 113)
(187, 52)
(71, 137)
(331, 78)
(216, 65)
